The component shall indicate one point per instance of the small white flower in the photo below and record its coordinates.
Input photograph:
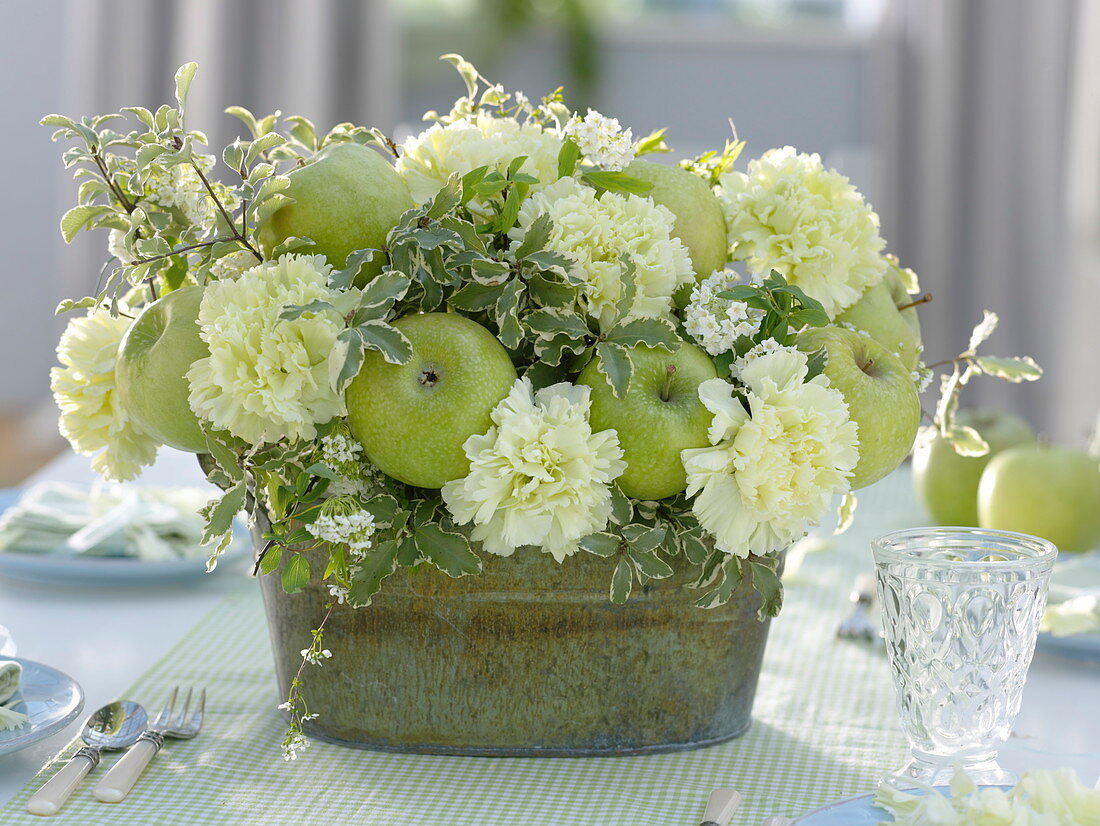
(343, 522)
(338, 592)
(714, 322)
(338, 449)
(116, 246)
(233, 265)
(295, 743)
(601, 139)
(284, 706)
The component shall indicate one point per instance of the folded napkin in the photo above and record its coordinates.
(105, 520)
(1073, 605)
(11, 673)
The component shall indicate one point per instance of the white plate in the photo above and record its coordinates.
(855, 811)
(103, 571)
(51, 700)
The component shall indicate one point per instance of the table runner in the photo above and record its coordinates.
(824, 728)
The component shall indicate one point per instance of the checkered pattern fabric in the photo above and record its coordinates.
(824, 729)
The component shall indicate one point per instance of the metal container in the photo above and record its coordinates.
(530, 658)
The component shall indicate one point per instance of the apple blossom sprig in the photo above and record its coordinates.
(966, 441)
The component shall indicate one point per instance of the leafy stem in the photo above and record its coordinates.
(237, 234)
(108, 179)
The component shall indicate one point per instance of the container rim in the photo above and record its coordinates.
(915, 544)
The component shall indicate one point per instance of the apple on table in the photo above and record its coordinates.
(946, 482)
(1043, 490)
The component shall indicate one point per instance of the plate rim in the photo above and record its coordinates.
(36, 735)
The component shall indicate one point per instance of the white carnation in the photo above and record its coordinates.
(790, 214)
(595, 232)
(539, 476)
(428, 160)
(92, 416)
(772, 468)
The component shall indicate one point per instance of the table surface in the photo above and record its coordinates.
(106, 639)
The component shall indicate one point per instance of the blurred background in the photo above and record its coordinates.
(973, 126)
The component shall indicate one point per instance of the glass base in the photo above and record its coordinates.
(920, 772)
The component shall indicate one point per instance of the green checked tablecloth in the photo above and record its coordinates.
(824, 729)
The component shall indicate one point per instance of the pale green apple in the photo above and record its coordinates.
(1045, 491)
(876, 313)
(700, 223)
(412, 419)
(882, 399)
(151, 371)
(947, 482)
(659, 415)
(347, 198)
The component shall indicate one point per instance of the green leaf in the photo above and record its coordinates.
(541, 374)
(815, 363)
(549, 292)
(622, 509)
(650, 564)
(628, 288)
(366, 581)
(388, 340)
(271, 559)
(767, 584)
(846, 512)
(450, 552)
(615, 366)
(548, 323)
(314, 307)
(812, 317)
(67, 305)
(303, 131)
(466, 69)
(536, 236)
(568, 156)
(983, 330)
(1014, 370)
(224, 456)
(616, 182)
(652, 332)
(552, 351)
(342, 279)
(729, 578)
(966, 441)
(621, 582)
(600, 544)
(78, 218)
(474, 297)
(651, 143)
(219, 514)
(695, 549)
(385, 290)
(184, 75)
(384, 508)
(296, 573)
(507, 314)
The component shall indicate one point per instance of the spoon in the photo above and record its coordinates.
(115, 726)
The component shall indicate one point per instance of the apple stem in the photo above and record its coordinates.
(924, 299)
(667, 389)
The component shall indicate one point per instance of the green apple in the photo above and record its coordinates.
(659, 415)
(412, 419)
(700, 223)
(876, 313)
(1051, 492)
(882, 399)
(347, 198)
(946, 482)
(151, 370)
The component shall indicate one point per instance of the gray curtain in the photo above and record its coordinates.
(329, 60)
(977, 101)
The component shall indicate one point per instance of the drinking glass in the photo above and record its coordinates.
(960, 613)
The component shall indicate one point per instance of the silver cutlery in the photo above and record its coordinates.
(114, 727)
(863, 622)
(117, 783)
(721, 807)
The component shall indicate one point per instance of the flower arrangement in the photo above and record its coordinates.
(516, 334)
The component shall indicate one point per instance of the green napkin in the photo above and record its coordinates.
(11, 673)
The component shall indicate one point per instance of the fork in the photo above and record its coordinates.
(117, 783)
(862, 623)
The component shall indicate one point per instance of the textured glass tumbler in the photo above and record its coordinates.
(960, 613)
